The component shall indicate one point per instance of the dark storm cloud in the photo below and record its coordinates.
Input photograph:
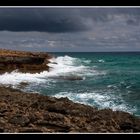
(50, 20)
(62, 19)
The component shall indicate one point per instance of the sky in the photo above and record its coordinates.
(56, 29)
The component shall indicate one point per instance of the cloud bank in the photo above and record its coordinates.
(64, 19)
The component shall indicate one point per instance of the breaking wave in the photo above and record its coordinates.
(91, 89)
(99, 100)
(59, 66)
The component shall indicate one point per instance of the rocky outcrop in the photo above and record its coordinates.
(69, 78)
(22, 61)
(33, 113)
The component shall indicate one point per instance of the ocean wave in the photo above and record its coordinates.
(15, 78)
(62, 66)
(101, 61)
(65, 65)
(70, 68)
(87, 61)
(99, 100)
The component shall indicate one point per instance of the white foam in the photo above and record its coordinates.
(128, 87)
(112, 86)
(64, 65)
(101, 61)
(60, 66)
(15, 78)
(69, 65)
(97, 99)
(87, 61)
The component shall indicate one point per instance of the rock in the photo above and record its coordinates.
(23, 85)
(19, 120)
(1, 130)
(23, 61)
(55, 108)
(71, 78)
(129, 126)
(57, 126)
(34, 113)
(3, 108)
(103, 130)
(53, 63)
(30, 130)
(54, 117)
(2, 115)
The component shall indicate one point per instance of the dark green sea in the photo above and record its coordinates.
(109, 80)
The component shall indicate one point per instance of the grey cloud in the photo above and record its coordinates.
(40, 19)
(63, 19)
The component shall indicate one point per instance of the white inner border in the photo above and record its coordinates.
(69, 6)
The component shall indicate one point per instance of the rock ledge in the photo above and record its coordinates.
(32, 62)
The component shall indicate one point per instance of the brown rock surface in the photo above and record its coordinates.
(23, 61)
(33, 113)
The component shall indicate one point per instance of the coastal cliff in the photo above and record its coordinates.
(22, 61)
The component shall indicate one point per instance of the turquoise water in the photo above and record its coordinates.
(109, 80)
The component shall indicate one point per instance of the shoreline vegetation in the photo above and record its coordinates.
(22, 112)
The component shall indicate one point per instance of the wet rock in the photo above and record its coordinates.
(53, 63)
(23, 85)
(70, 78)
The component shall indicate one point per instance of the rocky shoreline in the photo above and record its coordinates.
(34, 113)
(31, 62)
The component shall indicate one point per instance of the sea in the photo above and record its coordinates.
(100, 79)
